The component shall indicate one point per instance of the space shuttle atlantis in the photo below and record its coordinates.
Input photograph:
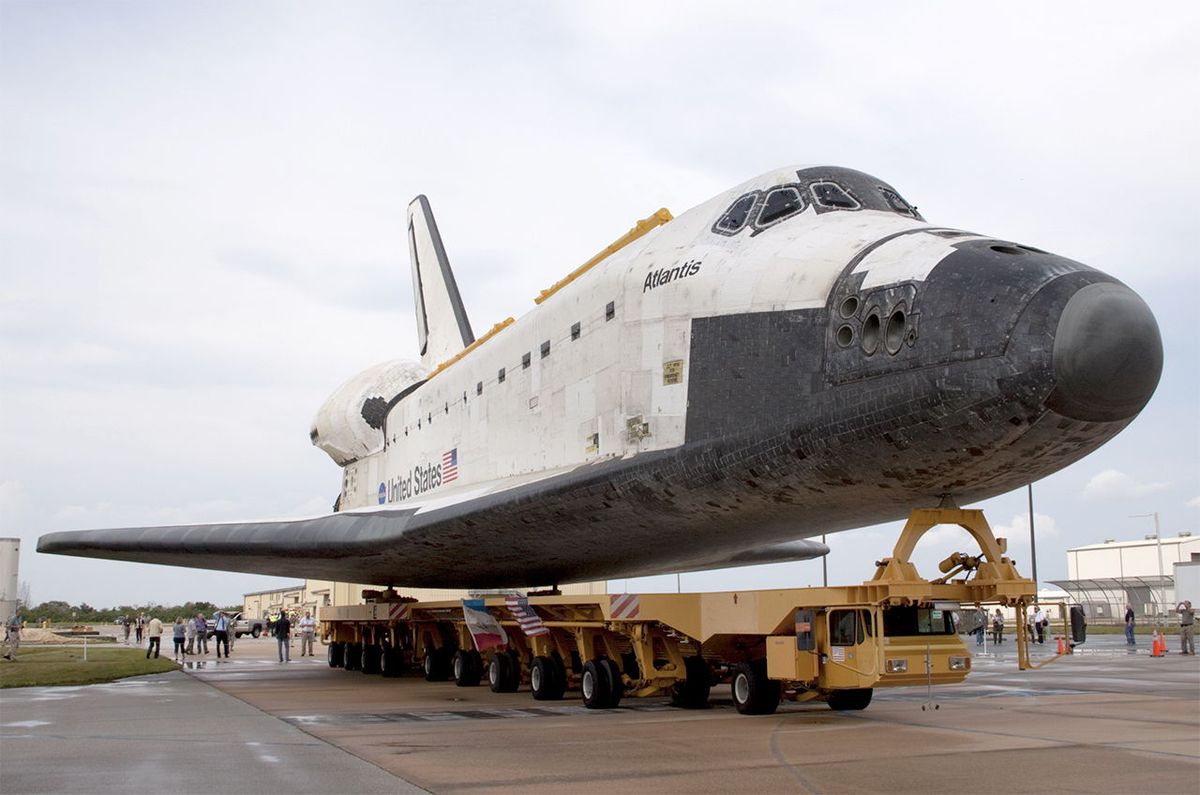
(801, 354)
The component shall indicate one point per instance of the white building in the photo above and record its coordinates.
(1105, 577)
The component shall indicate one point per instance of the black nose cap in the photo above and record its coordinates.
(1107, 355)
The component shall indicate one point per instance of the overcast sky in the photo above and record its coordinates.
(202, 210)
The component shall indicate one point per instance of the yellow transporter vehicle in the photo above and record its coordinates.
(835, 644)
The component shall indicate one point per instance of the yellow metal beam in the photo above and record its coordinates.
(496, 329)
(662, 216)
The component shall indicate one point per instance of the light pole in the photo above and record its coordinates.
(1162, 585)
(824, 566)
(1032, 545)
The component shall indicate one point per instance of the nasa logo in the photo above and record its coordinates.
(382, 493)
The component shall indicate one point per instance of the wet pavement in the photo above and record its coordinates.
(1104, 720)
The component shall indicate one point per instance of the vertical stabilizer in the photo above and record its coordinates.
(442, 325)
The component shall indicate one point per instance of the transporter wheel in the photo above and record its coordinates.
(504, 673)
(353, 656)
(468, 668)
(753, 692)
(371, 658)
(389, 662)
(436, 669)
(692, 693)
(850, 699)
(616, 686)
(545, 681)
(256, 632)
(334, 654)
(595, 685)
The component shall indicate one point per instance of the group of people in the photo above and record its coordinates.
(280, 626)
(1187, 625)
(189, 635)
(981, 628)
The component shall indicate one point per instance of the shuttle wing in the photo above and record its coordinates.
(505, 534)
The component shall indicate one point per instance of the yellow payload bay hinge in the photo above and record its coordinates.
(662, 216)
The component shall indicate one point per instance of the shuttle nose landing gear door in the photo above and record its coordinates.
(852, 649)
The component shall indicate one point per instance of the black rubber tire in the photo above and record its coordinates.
(753, 693)
(693, 692)
(371, 654)
(467, 668)
(616, 686)
(514, 672)
(434, 664)
(256, 632)
(353, 657)
(334, 653)
(595, 685)
(855, 699)
(389, 662)
(504, 675)
(544, 679)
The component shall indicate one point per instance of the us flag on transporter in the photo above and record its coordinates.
(529, 621)
(450, 466)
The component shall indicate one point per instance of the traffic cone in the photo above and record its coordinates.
(1155, 649)
(1062, 647)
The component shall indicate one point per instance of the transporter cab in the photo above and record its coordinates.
(834, 644)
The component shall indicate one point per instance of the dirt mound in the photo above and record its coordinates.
(39, 635)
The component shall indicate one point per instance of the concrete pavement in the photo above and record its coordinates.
(167, 733)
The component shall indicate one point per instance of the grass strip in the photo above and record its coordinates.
(44, 666)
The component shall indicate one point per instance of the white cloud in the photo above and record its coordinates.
(1114, 484)
(1017, 529)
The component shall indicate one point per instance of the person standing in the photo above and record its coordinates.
(998, 627)
(179, 635)
(1039, 621)
(980, 625)
(201, 625)
(221, 636)
(154, 631)
(1187, 622)
(139, 627)
(12, 634)
(283, 634)
(1129, 618)
(190, 630)
(308, 629)
(127, 626)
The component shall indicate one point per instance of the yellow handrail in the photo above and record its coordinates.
(496, 329)
(662, 216)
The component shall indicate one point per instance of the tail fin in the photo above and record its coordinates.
(442, 325)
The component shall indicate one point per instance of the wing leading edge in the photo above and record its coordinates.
(515, 535)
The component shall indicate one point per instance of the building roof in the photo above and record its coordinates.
(1141, 542)
(299, 587)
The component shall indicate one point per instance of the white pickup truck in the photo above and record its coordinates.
(241, 626)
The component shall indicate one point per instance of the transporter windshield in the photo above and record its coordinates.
(902, 621)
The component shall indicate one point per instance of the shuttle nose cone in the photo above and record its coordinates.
(1107, 355)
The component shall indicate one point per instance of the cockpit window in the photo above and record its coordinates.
(832, 196)
(736, 216)
(780, 203)
(897, 203)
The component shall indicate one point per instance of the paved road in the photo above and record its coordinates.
(1105, 720)
(166, 733)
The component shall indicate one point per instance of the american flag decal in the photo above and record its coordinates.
(450, 466)
(529, 621)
